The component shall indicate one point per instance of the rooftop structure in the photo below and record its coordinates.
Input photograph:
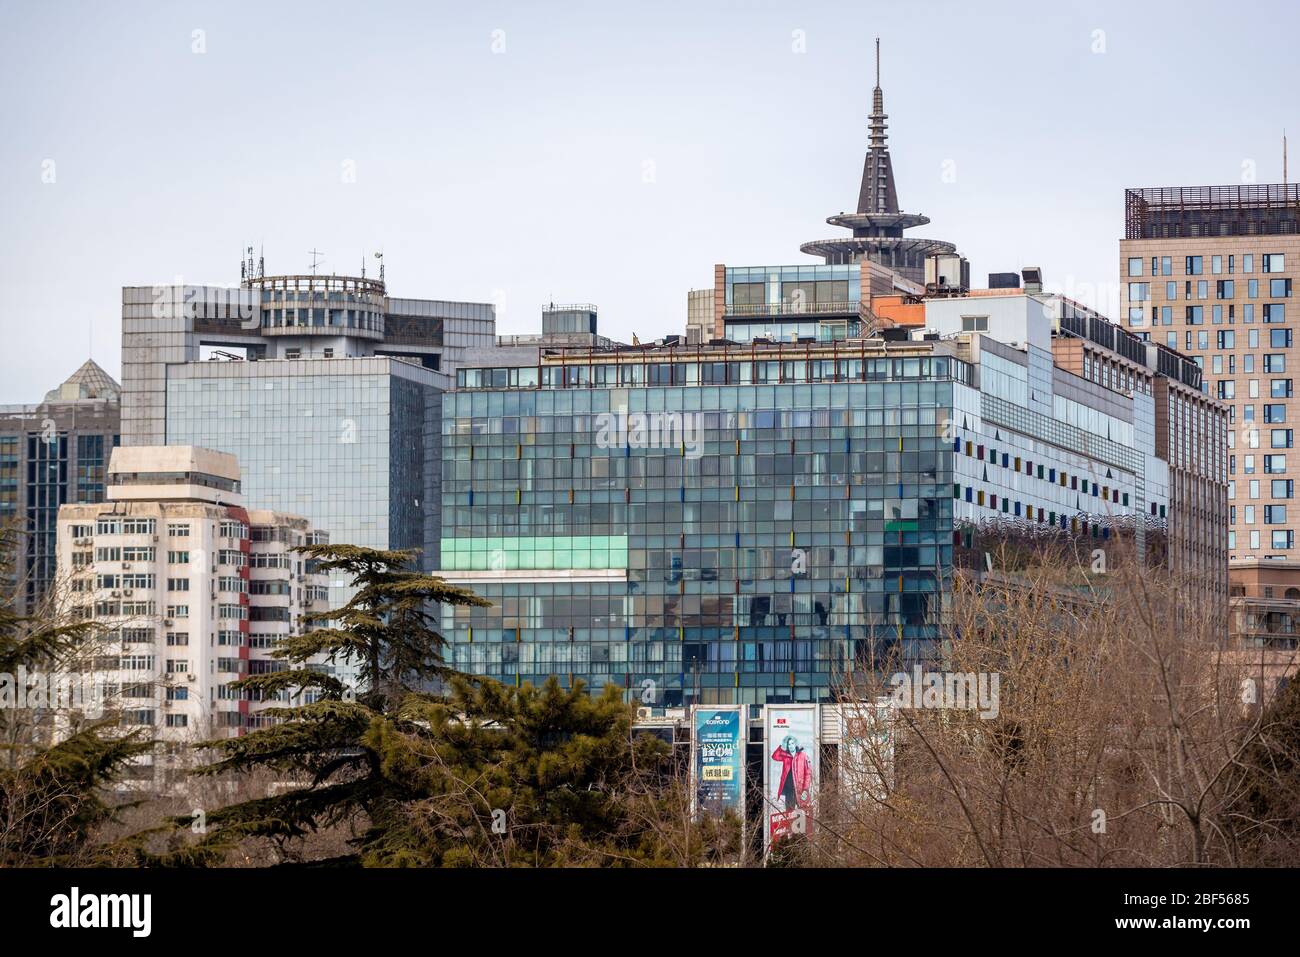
(878, 224)
(1187, 212)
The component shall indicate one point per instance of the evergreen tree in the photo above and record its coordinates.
(483, 774)
(52, 798)
(333, 748)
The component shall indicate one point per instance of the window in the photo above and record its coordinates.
(1275, 413)
(1193, 265)
(981, 323)
(1279, 389)
(1281, 438)
(1274, 312)
(178, 558)
(1283, 538)
(178, 584)
(178, 530)
(1282, 488)
(1166, 266)
(1225, 339)
(1274, 464)
(1139, 291)
(1274, 514)
(1279, 338)
(1274, 362)
(1223, 289)
(1273, 262)
(1278, 288)
(1135, 266)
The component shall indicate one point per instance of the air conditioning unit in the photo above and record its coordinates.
(191, 677)
(128, 591)
(126, 566)
(116, 594)
(167, 622)
(644, 713)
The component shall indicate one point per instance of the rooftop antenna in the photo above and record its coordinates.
(261, 263)
(877, 61)
(380, 257)
(1284, 157)
(315, 259)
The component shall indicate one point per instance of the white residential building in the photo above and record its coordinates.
(197, 589)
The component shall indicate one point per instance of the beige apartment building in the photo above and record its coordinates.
(1211, 271)
(197, 591)
(1264, 627)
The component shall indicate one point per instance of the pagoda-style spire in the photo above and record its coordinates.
(877, 227)
(878, 193)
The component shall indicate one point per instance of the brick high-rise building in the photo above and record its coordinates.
(1210, 271)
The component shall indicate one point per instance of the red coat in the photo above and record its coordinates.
(802, 769)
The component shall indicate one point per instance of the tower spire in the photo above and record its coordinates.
(878, 226)
(878, 193)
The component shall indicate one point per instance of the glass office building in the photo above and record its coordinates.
(54, 453)
(752, 522)
(700, 542)
(351, 444)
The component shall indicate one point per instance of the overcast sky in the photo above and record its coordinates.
(606, 152)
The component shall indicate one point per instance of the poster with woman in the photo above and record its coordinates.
(791, 770)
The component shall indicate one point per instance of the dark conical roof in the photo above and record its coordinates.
(878, 194)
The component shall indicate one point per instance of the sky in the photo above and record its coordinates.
(607, 152)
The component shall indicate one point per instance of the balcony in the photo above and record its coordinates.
(793, 309)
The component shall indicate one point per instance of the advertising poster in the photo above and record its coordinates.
(718, 736)
(866, 749)
(791, 769)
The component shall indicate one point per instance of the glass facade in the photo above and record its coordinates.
(698, 543)
(355, 452)
(789, 303)
(50, 455)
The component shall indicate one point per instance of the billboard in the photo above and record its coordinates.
(718, 737)
(791, 767)
(866, 749)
